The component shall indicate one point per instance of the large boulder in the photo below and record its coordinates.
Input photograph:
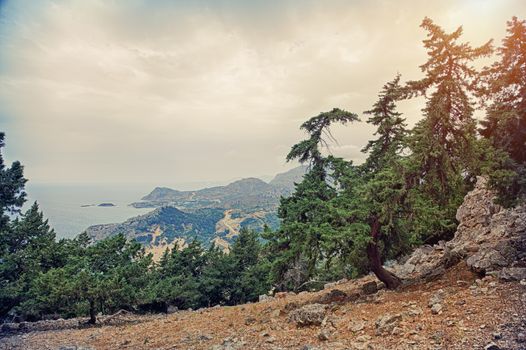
(489, 237)
(309, 315)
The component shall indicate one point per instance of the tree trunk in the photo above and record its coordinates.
(92, 312)
(373, 254)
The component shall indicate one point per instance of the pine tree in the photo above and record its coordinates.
(30, 249)
(442, 142)
(12, 182)
(297, 244)
(505, 123)
(391, 127)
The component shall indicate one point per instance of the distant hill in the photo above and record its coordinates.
(214, 214)
(245, 194)
(170, 221)
(285, 181)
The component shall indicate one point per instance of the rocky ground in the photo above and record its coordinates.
(457, 311)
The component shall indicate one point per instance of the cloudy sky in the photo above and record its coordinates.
(165, 92)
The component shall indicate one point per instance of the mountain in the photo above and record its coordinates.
(245, 194)
(285, 181)
(211, 215)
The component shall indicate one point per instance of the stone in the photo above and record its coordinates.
(324, 335)
(265, 297)
(386, 323)
(497, 335)
(397, 331)
(172, 309)
(521, 337)
(369, 288)
(512, 273)
(270, 340)
(414, 311)
(310, 314)
(436, 298)
(309, 347)
(356, 326)
(436, 309)
(249, 321)
(492, 346)
(334, 296)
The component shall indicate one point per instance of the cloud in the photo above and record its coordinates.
(161, 92)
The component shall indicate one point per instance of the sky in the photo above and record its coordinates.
(167, 92)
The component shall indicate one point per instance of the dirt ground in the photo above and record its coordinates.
(475, 312)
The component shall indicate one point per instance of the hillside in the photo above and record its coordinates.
(475, 313)
(166, 226)
(213, 214)
(468, 293)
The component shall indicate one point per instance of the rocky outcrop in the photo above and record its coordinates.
(489, 238)
(310, 314)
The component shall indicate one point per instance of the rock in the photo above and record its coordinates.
(310, 314)
(205, 337)
(488, 237)
(270, 340)
(324, 335)
(280, 295)
(309, 347)
(265, 297)
(512, 273)
(291, 306)
(386, 323)
(436, 298)
(436, 309)
(356, 326)
(414, 311)
(171, 309)
(369, 287)
(334, 296)
(521, 337)
(396, 331)
(491, 346)
(249, 321)
(361, 346)
(497, 335)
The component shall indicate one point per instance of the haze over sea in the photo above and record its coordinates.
(62, 203)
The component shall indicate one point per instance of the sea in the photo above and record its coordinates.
(71, 209)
